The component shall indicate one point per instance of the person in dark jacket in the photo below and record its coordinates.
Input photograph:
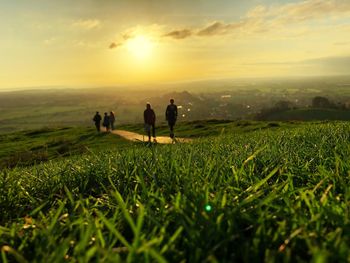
(112, 120)
(97, 119)
(150, 120)
(106, 122)
(171, 116)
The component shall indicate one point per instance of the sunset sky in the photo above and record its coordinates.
(119, 42)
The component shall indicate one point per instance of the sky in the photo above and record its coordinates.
(127, 42)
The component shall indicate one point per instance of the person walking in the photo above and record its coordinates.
(112, 119)
(171, 116)
(97, 119)
(106, 122)
(150, 120)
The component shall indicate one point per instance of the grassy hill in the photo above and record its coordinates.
(309, 114)
(30, 147)
(253, 191)
(34, 146)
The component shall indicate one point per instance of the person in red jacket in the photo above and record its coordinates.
(150, 120)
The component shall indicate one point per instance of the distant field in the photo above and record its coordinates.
(309, 114)
(225, 100)
(256, 191)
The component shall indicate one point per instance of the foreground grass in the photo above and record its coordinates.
(279, 195)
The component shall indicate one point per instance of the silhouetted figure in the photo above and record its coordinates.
(112, 119)
(106, 122)
(150, 120)
(97, 119)
(171, 116)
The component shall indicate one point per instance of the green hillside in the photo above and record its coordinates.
(266, 192)
(34, 146)
(309, 114)
(30, 147)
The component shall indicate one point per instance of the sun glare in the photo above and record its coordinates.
(140, 46)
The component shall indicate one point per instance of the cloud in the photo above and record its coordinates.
(87, 24)
(179, 34)
(312, 9)
(124, 37)
(127, 36)
(153, 32)
(258, 11)
(114, 45)
(219, 28)
(214, 28)
(262, 19)
(301, 11)
(280, 16)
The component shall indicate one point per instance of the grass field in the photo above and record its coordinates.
(242, 191)
(34, 146)
(23, 148)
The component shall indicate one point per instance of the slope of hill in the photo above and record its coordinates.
(264, 195)
(34, 146)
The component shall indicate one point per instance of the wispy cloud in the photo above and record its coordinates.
(87, 24)
(214, 28)
(311, 9)
(262, 19)
(114, 45)
(153, 31)
(218, 28)
(179, 34)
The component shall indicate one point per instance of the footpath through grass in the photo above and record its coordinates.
(280, 195)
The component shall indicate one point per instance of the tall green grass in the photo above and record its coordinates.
(267, 195)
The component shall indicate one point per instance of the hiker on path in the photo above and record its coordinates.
(97, 119)
(112, 119)
(106, 122)
(171, 116)
(150, 120)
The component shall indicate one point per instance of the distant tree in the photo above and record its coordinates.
(283, 105)
(280, 106)
(321, 102)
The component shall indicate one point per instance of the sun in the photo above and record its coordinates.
(140, 47)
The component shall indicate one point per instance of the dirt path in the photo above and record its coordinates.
(133, 136)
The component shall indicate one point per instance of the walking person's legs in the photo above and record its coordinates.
(153, 131)
(171, 126)
(149, 135)
(148, 131)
